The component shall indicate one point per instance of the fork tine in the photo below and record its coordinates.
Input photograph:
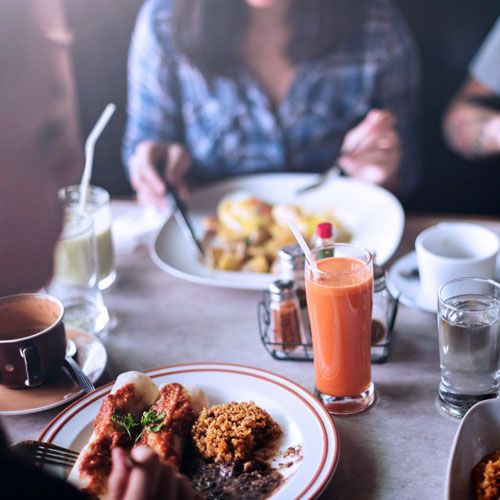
(51, 461)
(53, 447)
(41, 453)
(56, 456)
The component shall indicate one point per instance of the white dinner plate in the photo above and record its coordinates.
(408, 289)
(373, 215)
(304, 420)
(477, 436)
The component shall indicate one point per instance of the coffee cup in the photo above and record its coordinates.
(32, 339)
(452, 250)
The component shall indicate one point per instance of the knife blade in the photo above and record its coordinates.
(180, 212)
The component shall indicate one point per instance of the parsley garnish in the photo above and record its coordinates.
(127, 421)
(151, 421)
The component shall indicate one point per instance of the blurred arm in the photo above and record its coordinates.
(472, 130)
(398, 91)
(153, 109)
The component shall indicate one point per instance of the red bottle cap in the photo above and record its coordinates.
(324, 230)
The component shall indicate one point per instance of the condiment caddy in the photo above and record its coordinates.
(282, 313)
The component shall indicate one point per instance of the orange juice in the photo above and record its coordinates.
(339, 301)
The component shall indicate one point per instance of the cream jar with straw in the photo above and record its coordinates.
(84, 254)
(96, 202)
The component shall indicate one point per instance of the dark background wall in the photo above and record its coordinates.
(102, 30)
(448, 33)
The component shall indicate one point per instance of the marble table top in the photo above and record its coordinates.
(398, 449)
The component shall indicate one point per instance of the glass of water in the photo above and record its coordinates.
(75, 280)
(469, 343)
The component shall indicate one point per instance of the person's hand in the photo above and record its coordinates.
(141, 476)
(371, 151)
(153, 164)
(493, 129)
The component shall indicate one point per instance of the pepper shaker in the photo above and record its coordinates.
(285, 320)
(291, 263)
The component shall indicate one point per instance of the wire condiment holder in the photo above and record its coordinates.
(298, 351)
(293, 351)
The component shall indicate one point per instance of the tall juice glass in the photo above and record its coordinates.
(339, 300)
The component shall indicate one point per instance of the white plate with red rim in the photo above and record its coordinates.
(373, 215)
(305, 422)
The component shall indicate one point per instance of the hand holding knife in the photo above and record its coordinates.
(180, 212)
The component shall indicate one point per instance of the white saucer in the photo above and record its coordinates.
(409, 289)
(61, 388)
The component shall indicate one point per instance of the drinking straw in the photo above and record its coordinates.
(300, 240)
(89, 152)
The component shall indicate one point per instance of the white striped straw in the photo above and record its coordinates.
(89, 152)
(300, 240)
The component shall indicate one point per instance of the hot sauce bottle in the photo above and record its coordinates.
(323, 239)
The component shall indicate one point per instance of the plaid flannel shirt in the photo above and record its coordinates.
(230, 127)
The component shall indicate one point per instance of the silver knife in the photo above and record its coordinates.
(180, 211)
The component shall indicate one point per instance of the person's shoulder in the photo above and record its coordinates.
(383, 14)
(154, 21)
(152, 9)
(385, 25)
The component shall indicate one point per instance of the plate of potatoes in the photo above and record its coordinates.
(241, 223)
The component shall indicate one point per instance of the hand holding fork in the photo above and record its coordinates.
(370, 151)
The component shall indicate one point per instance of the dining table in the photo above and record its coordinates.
(397, 449)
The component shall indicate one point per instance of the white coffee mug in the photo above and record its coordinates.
(453, 250)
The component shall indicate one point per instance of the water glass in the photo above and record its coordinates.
(469, 343)
(339, 301)
(98, 206)
(75, 274)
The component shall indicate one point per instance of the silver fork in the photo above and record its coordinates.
(335, 171)
(40, 453)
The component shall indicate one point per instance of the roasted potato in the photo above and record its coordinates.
(256, 265)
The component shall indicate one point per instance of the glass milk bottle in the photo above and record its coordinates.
(99, 208)
(75, 275)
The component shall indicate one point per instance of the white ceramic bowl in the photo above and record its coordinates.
(477, 436)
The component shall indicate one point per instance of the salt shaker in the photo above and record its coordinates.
(291, 261)
(286, 325)
(383, 310)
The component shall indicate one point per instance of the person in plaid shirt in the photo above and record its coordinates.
(227, 87)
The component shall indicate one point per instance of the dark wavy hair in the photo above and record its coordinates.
(209, 32)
